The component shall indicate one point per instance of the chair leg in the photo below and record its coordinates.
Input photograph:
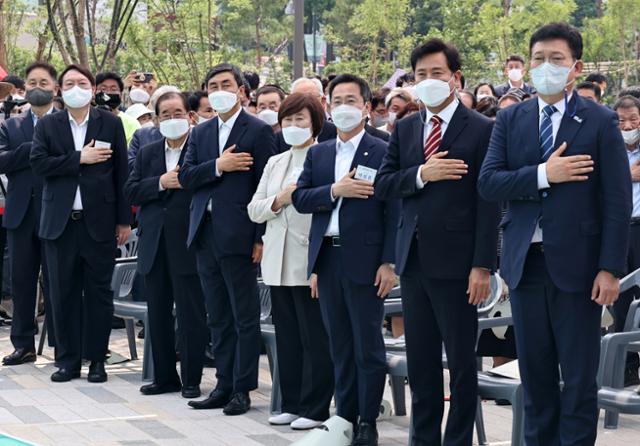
(480, 431)
(147, 359)
(129, 325)
(275, 405)
(517, 425)
(43, 336)
(397, 395)
(611, 419)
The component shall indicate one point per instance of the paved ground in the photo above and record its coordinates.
(79, 413)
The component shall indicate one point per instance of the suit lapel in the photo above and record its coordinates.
(531, 132)
(93, 126)
(280, 169)
(27, 126)
(238, 129)
(417, 140)
(454, 128)
(362, 156)
(183, 151)
(65, 129)
(158, 161)
(571, 122)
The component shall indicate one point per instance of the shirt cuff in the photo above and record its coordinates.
(543, 183)
(333, 199)
(160, 187)
(419, 182)
(218, 173)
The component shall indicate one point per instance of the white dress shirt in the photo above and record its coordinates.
(556, 118)
(345, 152)
(35, 118)
(171, 157)
(224, 130)
(445, 118)
(79, 133)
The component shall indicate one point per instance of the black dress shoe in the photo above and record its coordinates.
(367, 435)
(63, 375)
(240, 404)
(191, 392)
(97, 373)
(20, 356)
(159, 389)
(216, 400)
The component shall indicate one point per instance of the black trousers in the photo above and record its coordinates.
(80, 270)
(26, 256)
(352, 315)
(230, 286)
(304, 360)
(621, 306)
(556, 328)
(164, 287)
(437, 311)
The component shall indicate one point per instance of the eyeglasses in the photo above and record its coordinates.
(176, 115)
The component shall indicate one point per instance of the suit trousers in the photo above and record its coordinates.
(80, 271)
(230, 286)
(165, 287)
(437, 311)
(26, 256)
(304, 360)
(556, 328)
(352, 315)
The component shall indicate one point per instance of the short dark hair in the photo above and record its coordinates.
(590, 86)
(297, 102)
(433, 46)
(596, 77)
(559, 30)
(634, 91)
(14, 80)
(378, 98)
(170, 95)
(482, 84)
(514, 58)
(406, 77)
(487, 106)
(252, 78)
(226, 68)
(110, 75)
(194, 100)
(626, 102)
(474, 100)
(351, 79)
(80, 69)
(270, 88)
(44, 66)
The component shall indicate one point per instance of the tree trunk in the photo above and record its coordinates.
(52, 9)
(3, 38)
(65, 32)
(258, 37)
(77, 13)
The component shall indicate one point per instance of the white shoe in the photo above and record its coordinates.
(303, 424)
(282, 419)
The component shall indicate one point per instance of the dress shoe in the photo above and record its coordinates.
(19, 356)
(159, 389)
(303, 424)
(282, 419)
(63, 375)
(631, 377)
(189, 392)
(240, 404)
(97, 373)
(216, 400)
(367, 435)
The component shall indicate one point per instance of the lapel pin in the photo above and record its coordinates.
(578, 119)
(366, 153)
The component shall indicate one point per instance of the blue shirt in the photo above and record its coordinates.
(634, 157)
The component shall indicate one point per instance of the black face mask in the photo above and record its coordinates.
(111, 100)
(39, 97)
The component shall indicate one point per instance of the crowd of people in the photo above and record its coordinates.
(329, 192)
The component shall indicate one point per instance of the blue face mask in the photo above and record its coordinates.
(550, 79)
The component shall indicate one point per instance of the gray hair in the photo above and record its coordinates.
(159, 92)
(313, 80)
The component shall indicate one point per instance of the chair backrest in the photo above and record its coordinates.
(496, 292)
(130, 247)
(630, 280)
(122, 281)
(265, 302)
(632, 322)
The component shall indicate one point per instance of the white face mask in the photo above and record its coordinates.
(515, 74)
(296, 136)
(174, 128)
(223, 101)
(202, 120)
(392, 117)
(77, 97)
(631, 136)
(550, 79)
(346, 117)
(147, 124)
(269, 116)
(139, 96)
(433, 92)
(482, 96)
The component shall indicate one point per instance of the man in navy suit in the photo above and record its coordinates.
(82, 155)
(222, 167)
(447, 242)
(168, 266)
(559, 161)
(351, 244)
(22, 212)
(515, 71)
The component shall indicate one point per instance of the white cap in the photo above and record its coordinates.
(137, 110)
(159, 92)
(138, 96)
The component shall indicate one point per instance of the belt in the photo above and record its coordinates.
(333, 241)
(537, 248)
(76, 215)
(635, 221)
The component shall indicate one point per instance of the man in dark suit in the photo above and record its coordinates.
(515, 71)
(447, 242)
(351, 250)
(168, 267)
(559, 160)
(222, 167)
(82, 155)
(22, 212)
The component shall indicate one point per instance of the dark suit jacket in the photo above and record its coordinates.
(234, 232)
(367, 227)
(371, 130)
(585, 224)
(16, 135)
(502, 89)
(328, 132)
(53, 156)
(456, 228)
(141, 137)
(159, 211)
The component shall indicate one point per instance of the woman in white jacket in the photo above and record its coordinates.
(304, 361)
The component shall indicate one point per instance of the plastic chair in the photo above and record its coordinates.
(265, 302)
(130, 247)
(269, 338)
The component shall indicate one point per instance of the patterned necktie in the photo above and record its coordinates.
(546, 132)
(435, 138)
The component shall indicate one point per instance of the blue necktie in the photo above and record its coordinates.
(546, 132)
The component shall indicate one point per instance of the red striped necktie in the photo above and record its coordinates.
(435, 138)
